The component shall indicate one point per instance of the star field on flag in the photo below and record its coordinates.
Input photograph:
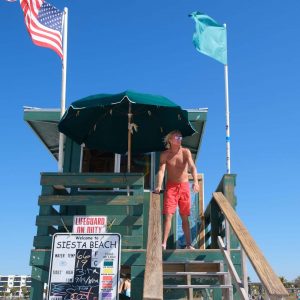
(44, 23)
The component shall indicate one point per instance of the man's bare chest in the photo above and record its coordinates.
(176, 161)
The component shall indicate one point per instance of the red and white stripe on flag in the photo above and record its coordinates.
(44, 24)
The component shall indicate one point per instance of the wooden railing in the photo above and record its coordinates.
(200, 197)
(269, 279)
(214, 220)
(153, 280)
(88, 194)
(93, 180)
(67, 194)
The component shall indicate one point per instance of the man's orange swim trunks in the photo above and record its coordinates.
(177, 194)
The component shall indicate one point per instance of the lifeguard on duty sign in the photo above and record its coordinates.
(89, 224)
(84, 266)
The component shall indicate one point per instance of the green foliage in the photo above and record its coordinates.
(286, 283)
(283, 280)
(25, 291)
(297, 282)
(4, 292)
(14, 290)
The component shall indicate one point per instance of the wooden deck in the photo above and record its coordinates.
(137, 217)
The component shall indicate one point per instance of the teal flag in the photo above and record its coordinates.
(210, 37)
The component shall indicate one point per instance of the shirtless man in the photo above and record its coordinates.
(178, 161)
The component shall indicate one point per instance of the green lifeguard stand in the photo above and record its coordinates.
(95, 183)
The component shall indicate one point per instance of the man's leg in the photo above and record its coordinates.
(185, 210)
(167, 228)
(186, 229)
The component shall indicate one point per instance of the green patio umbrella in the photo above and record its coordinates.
(127, 122)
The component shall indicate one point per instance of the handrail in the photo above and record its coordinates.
(269, 279)
(93, 180)
(153, 279)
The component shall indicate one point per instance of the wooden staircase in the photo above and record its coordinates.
(195, 280)
(194, 274)
(181, 274)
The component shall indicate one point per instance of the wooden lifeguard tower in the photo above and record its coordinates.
(95, 183)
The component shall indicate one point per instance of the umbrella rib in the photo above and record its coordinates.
(99, 119)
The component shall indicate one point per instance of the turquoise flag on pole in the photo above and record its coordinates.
(210, 37)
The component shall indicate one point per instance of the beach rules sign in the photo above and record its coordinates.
(84, 266)
(89, 224)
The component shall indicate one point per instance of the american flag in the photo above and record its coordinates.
(44, 24)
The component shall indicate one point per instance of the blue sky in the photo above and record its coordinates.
(147, 46)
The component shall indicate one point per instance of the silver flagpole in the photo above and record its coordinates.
(227, 127)
(227, 226)
(227, 118)
(63, 88)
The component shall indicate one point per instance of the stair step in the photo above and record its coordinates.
(195, 273)
(192, 266)
(197, 286)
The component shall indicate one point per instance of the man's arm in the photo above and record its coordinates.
(161, 172)
(193, 171)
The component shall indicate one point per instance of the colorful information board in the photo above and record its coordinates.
(84, 266)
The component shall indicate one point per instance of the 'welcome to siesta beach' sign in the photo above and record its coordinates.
(84, 266)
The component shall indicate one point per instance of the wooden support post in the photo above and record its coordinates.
(201, 212)
(214, 223)
(189, 282)
(201, 233)
(244, 270)
(146, 205)
(153, 282)
(218, 293)
(137, 279)
(37, 289)
(37, 283)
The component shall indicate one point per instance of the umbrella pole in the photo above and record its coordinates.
(129, 143)
(129, 138)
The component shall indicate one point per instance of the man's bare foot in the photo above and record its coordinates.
(190, 247)
(164, 246)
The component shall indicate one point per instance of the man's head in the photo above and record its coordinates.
(173, 138)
